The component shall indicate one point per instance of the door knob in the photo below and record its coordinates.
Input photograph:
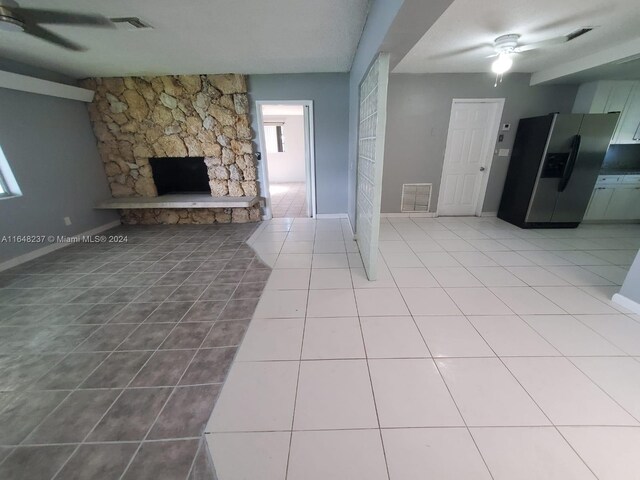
(482, 169)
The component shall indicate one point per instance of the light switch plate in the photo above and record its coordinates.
(506, 127)
(503, 152)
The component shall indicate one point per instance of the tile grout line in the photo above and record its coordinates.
(64, 399)
(203, 442)
(129, 383)
(178, 384)
(122, 391)
(551, 423)
(547, 416)
(464, 421)
(295, 398)
(603, 390)
(373, 394)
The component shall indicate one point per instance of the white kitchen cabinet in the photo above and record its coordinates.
(630, 179)
(624, 204)
(618, 96)
(599, 203)
(615, 197)
(613, 96)
(603, 97)
(628, 130)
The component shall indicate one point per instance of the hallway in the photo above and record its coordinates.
(288, 200)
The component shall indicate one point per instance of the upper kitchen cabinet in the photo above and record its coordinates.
(628, 130)
(613, 96)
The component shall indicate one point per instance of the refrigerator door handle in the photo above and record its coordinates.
(571, 162)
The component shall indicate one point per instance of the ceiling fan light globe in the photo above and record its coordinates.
(502, 64)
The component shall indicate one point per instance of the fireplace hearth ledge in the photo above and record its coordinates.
(193, 200)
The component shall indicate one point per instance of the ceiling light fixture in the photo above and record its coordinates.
(500, 66)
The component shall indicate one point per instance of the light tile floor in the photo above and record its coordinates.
(288, 200)
(482, 351)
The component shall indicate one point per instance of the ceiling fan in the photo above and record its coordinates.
(14, 18)
(506, 46)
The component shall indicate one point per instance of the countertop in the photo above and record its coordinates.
(619, 172)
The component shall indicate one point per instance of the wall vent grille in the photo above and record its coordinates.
(416, 197)
(578, 33)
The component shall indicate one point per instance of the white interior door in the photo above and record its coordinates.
(473, 127)
(371, 135)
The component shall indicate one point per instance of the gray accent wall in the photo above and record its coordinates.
(32, 71)
(330, 95)
(51, 149)
(419, 107)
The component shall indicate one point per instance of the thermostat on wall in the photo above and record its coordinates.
(506, 127)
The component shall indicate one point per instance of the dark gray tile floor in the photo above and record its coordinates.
(112, 355)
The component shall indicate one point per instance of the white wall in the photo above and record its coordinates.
(288, 166)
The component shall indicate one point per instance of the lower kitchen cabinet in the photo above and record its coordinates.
(624, 204)
(599, 203)
(621, 202)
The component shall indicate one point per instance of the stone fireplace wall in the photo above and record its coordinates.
(137, 118)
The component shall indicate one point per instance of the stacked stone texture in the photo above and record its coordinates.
(137, 118)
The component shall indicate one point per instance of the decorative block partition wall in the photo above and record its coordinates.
(371, 132)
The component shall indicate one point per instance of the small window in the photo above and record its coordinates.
(273, 137)
(8, 185)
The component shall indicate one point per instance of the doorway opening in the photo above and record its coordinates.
(288, 173)
(471, 140)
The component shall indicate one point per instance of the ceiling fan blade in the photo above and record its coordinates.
(49, 36)
(37, 15)
(542, 44)
(459, 51)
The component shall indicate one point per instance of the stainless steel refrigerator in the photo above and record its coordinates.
(554, 165)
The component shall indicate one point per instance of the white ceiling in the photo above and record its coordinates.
(200, 36)
(450, 45)
(282, 110)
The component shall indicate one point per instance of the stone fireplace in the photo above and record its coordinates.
(191, 118)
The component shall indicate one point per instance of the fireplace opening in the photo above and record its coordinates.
(180, 175)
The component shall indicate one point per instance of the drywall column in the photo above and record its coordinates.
(381, 15)
(629, 296)
(394, 27)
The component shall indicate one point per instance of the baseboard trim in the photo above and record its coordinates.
(14, 262)
(353, 235)
(489, 214)
(626, 302)
(409, 215)
(325, 216)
